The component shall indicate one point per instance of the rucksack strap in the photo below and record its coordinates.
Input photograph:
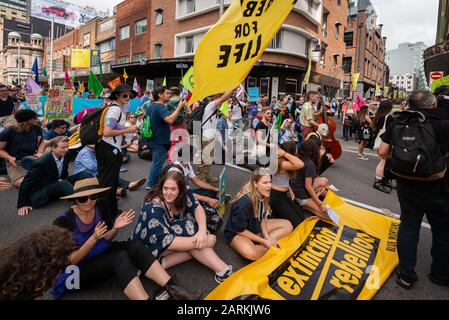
(213, 114)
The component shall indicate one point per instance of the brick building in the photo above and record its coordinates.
(154, 36)
(365, 51)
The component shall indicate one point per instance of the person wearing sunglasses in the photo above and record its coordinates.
(98, 257)
(109, 150)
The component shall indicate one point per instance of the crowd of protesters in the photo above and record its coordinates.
(173, 225)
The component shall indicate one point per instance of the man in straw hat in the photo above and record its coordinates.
(48, 179)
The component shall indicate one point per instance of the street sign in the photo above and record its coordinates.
(182, 66)
(435, 75)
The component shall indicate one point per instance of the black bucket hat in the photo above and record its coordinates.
(24, 115)
(122, 88)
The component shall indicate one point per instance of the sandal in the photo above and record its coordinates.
(404, 284)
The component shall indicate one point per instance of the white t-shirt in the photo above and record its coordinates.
(210, 127)
(236, 111)
(188, 170)
(116, 113)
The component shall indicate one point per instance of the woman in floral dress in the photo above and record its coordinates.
(172, 226)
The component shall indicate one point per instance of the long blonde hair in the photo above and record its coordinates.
(249, 190)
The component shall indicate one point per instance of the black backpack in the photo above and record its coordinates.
(92, 126)
(197, 115)
(415, 154)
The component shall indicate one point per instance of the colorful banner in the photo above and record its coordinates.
(59, 104)
(222, 193)
(440, 82)
(95, 58)
(355, 80)
(80, 58)
(114, 83)
(377, 92)
(253, 93)
(230, 49)
(63, 13)
(33, 102)
(320, 261)
(386, 91)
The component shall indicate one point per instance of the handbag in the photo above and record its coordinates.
(378, 140)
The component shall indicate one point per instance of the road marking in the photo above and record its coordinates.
(356, 152)
(355, 203)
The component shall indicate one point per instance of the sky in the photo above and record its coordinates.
(403, 20)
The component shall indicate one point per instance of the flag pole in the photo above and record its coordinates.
(51, 52)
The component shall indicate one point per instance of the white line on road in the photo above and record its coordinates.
(355, 203)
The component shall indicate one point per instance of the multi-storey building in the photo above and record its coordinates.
(408, 59)
(15, 9)
(436, 57)
(153, 37)
(404, 82)
(365, 49)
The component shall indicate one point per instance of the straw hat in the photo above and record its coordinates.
(86, 187)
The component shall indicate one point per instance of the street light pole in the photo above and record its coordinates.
(221, 8)
(19, 62)
(51, 52)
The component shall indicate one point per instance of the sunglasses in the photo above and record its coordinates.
(85, 199)
(125, 96)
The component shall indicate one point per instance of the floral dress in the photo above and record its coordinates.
(157, 229)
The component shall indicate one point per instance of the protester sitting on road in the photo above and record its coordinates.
(249, 230)
(4, 185)
(22, 141)
(307, 185)
(30, 265)
(282, 196)
(131, 138)
(99, 258)
(58, 128)
(48, 179)
(172, 225)
(327, 160)
(87, 162)
(8, 105)
(421, 197)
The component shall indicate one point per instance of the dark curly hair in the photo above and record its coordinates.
(181, 201)
(30, 265)
(309, 150)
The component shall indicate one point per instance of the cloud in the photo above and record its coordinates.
(408, 21)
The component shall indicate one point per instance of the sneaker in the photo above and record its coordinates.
(136, 184)
(163, 295)
(227, 274)
(362, 157)
(381, 187)
(148, 188)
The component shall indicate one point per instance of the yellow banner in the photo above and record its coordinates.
(377, 93)
(395, 94)
(355, 80)
(320, 261)
(80, 58)
(229, 50)
(386, 91)
(187, 80)
(308, 72)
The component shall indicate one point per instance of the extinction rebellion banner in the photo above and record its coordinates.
(320, 261)
(59, 104)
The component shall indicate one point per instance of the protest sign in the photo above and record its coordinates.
(253, 93)
(59, 104)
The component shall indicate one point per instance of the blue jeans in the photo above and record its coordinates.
(414, 204)
(159, 157)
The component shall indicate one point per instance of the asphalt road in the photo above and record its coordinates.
(351, 176)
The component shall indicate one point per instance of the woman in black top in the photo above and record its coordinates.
(307, 185)
(249, 230)
(263, 136)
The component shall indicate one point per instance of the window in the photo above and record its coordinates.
(324, 27)
(139, 56)
(159, 16)
(106, 25)
(190, 6)
(86, 40)
(335, 64)
(141, 27)
(349, 39)
(21, 61)
(338, 2)
(123, 60)
(323, 57)
(310, 6)
(158, 50)
(107, 46)
(347, 65)
(190, 46)
(337, 30)
(124, 33)
(276, 43)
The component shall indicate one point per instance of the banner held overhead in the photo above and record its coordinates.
(230, 49)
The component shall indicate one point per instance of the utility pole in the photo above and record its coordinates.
(19, 62)
(221, 8)
(51, 52)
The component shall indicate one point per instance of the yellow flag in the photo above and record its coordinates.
(230, 49)
(355, 80)
(386, 91)
(309, 70)
(187, 81)
(164, 84)
(125, 75)
(225, 108)
(377, 93)
(395, 94)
